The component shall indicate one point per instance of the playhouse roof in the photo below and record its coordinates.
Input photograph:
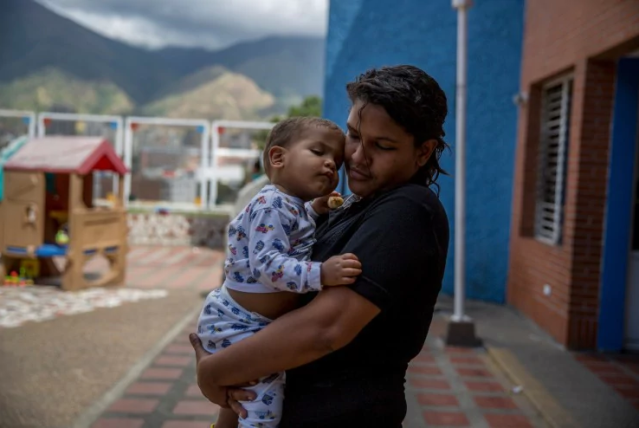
(66, 155)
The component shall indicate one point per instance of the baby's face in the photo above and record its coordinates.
(312, 163)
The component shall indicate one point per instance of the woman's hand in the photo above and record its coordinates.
(223, 396)
(215, 393)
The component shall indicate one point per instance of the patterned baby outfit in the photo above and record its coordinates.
(269, 246)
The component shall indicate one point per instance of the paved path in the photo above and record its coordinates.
(152, 272)
(174, 268)
(621, 372)
(62, 353)
(447, 387)
(75, 379)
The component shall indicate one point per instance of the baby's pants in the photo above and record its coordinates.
(224, 322)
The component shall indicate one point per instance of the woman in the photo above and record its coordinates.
(347, 350)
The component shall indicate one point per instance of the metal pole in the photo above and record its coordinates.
(204, 165)
(32, 125)
(460, 161)
(41, 128)
(128, 160)
(213, 178)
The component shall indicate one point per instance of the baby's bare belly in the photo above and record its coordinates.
(269, 305)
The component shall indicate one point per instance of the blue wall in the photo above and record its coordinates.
(372, 33)
(618, 229)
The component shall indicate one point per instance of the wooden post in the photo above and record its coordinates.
(119, 265)
(73, 278)
(119, 200)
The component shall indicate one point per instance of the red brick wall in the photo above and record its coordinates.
(584, 37)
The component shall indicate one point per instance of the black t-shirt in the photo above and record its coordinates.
(401, 239)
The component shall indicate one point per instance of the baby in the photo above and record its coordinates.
(269, 248)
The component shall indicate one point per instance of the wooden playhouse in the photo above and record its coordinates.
(47, 211)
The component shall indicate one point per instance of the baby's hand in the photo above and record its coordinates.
(340, 270)
(321, 205)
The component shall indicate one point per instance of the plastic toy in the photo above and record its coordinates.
(62, 236)
(15, 280)
(48, 212)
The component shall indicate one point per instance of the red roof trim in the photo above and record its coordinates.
(101, 158)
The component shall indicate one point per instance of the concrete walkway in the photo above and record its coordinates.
(131, 365)
(568, 389)
(59, 363)
(447, 387)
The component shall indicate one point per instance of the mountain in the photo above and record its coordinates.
(213, 93)
(36, 42)
(33, 38)
(284, 66)
(51, 87)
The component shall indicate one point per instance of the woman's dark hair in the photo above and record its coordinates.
(415, 101)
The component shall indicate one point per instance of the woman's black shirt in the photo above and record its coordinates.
(401, 239)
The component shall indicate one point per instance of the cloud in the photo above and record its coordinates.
(206, 23)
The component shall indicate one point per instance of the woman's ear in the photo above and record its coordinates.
(425, 151)
(277, 156)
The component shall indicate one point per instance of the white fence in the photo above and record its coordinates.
(213, 157)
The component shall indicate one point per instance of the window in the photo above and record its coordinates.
(554, 134)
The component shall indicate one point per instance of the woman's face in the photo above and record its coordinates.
(379, 153)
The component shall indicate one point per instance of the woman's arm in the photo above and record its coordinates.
(329, 322)
(391, 252)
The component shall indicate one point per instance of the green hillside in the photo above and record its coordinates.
(52, 61)
(213, 94)
(50, 87)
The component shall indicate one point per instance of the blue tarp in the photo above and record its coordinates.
(5, 155)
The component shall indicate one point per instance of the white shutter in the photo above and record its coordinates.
(551, 173)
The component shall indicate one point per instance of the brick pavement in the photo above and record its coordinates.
(176, 267)
(169, 267)
(619, 371)
(446, 387)
(165, 395)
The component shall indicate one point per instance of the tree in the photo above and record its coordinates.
(310, 106)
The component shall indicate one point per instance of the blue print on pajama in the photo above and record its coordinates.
(278, 245)
(263, 228)
(225, 327)
(273, 229)
(287, 229)
(241, 233)
(265, 414)
(267, 399)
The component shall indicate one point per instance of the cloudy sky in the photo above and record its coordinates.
(211, 24)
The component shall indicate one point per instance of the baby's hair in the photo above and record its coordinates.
(290, 130)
